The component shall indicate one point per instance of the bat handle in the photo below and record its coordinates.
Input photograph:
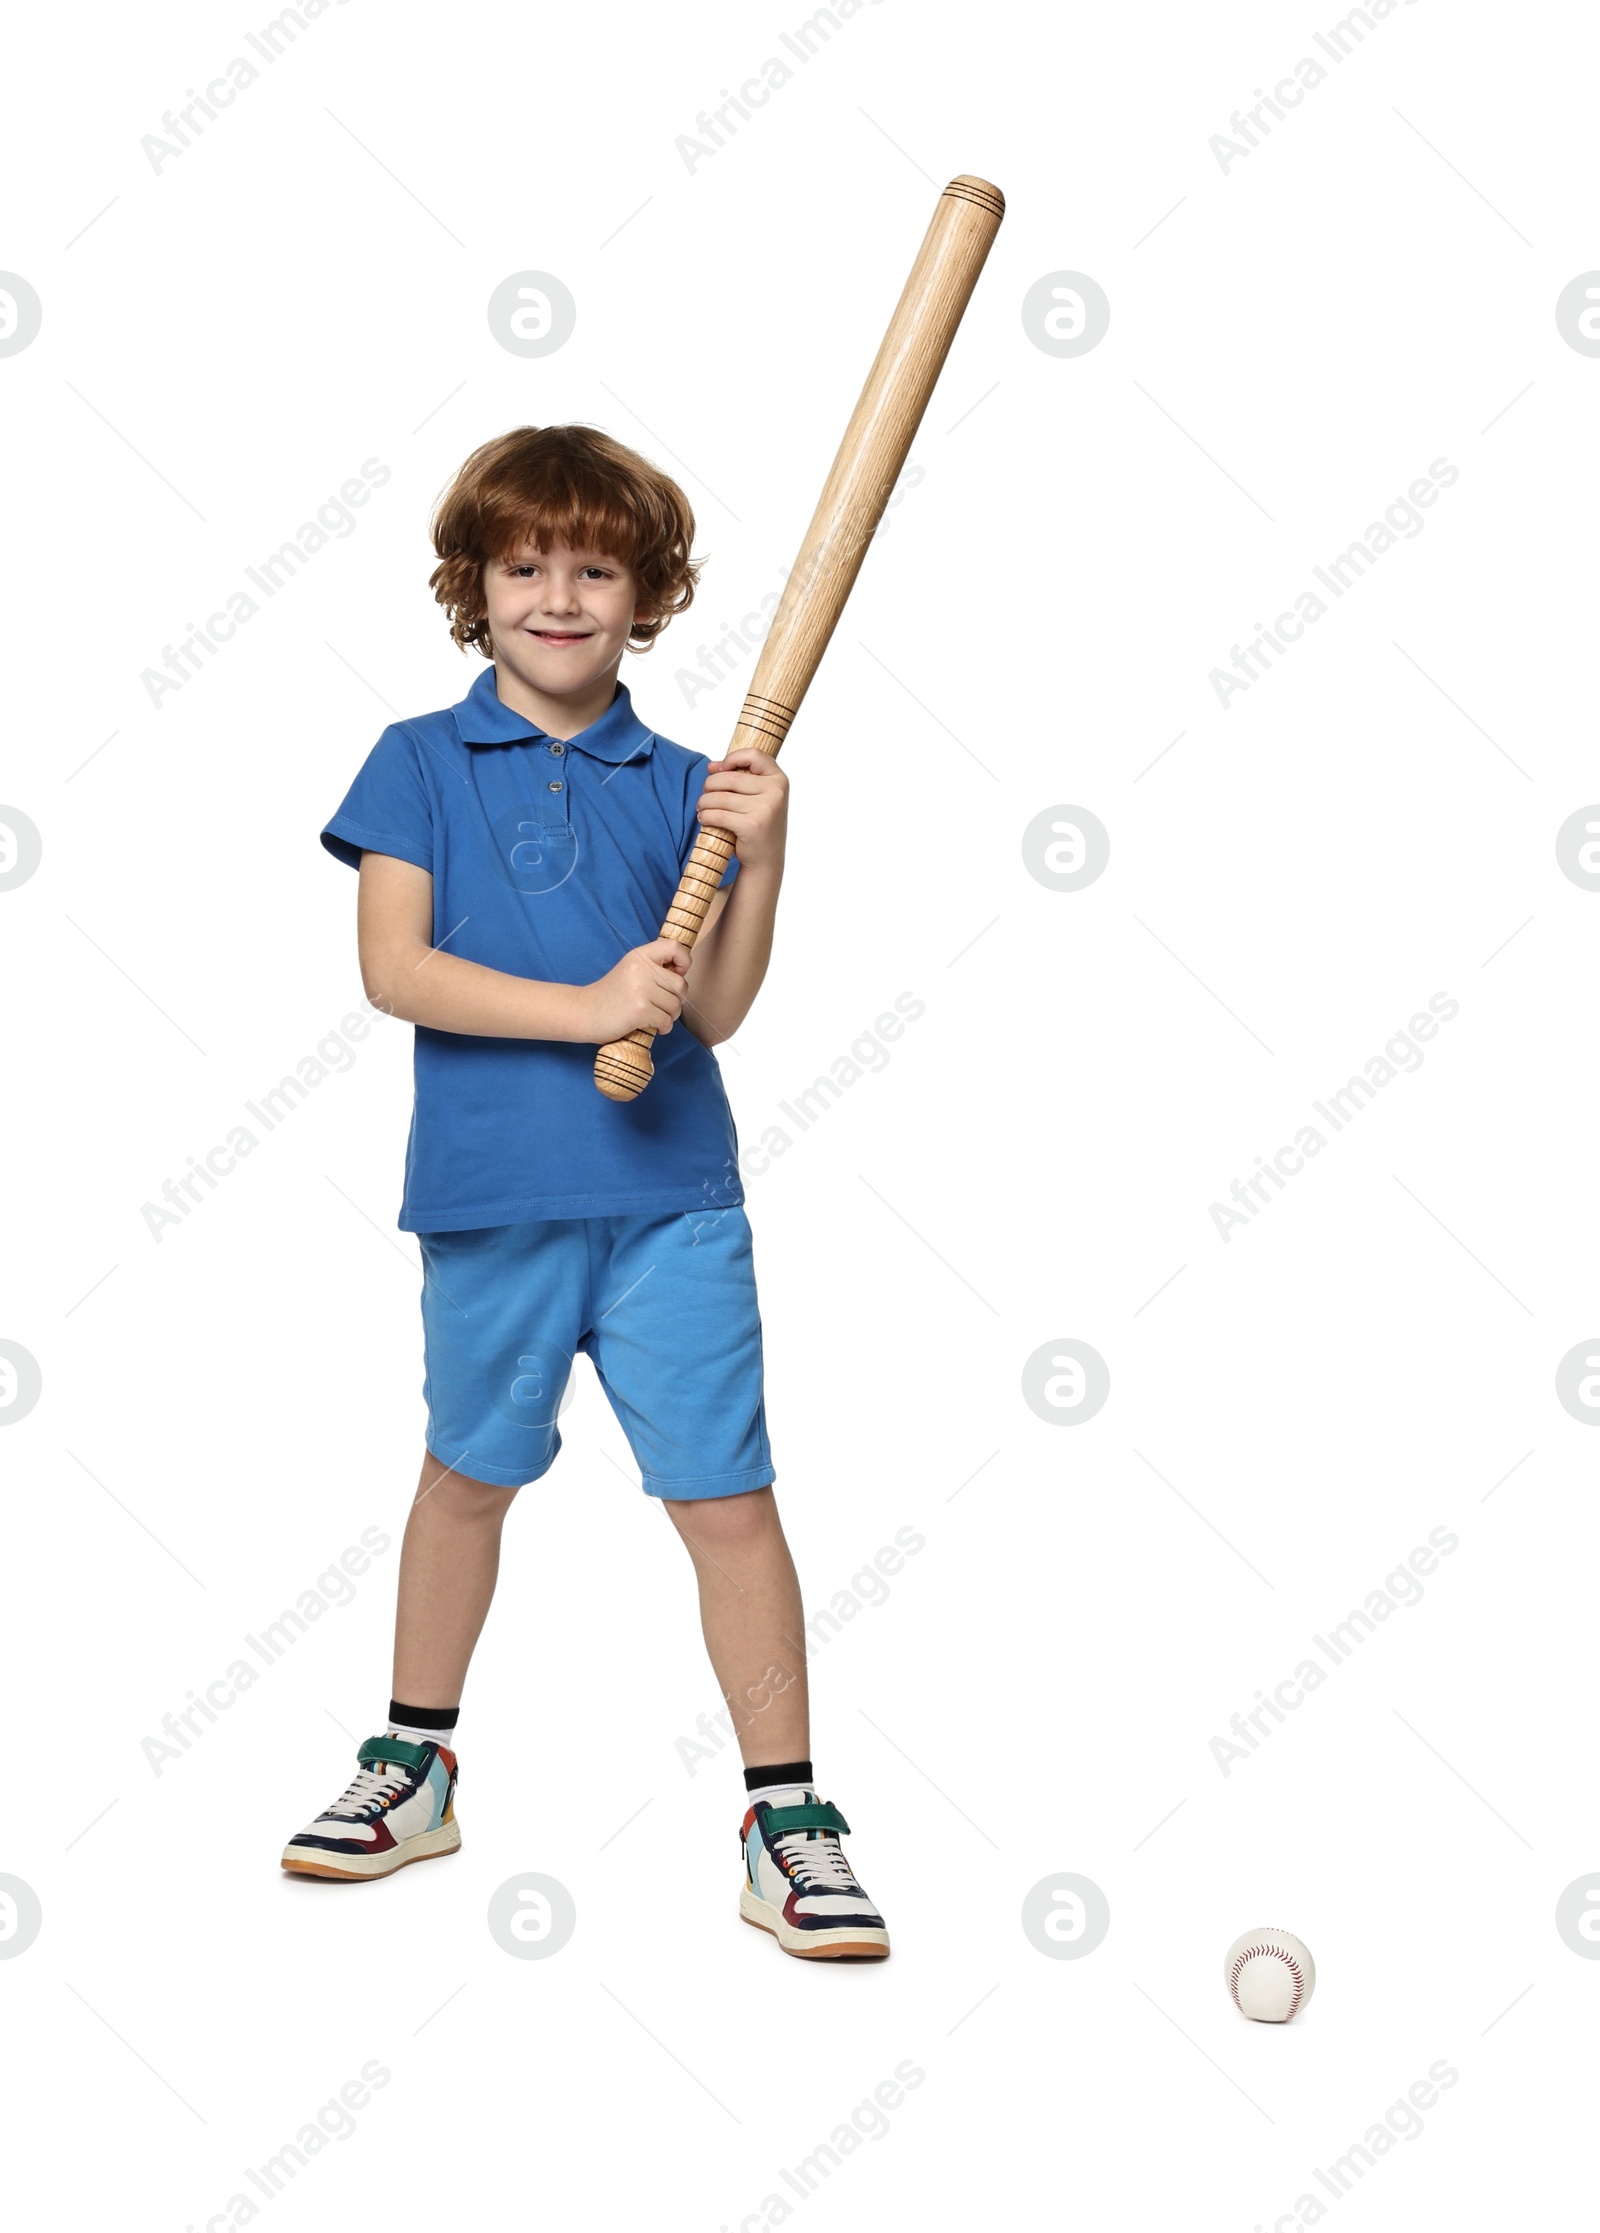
(623, 1069)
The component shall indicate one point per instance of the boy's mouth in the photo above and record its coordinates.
(560, 635)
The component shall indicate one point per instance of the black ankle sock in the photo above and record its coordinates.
(437, 1722)
(787, 1771)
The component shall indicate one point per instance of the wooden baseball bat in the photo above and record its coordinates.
(880, 432)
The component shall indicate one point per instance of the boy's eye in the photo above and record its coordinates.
(603, 571)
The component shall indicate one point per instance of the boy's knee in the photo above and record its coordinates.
(725, 1520)
(461, 1497)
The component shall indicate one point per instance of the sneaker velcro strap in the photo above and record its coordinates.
(812, 1814)
(391, 1748)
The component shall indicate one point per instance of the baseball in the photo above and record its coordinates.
(1269, 1975)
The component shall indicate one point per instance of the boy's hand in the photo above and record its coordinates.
(747, 796)
(644, 991)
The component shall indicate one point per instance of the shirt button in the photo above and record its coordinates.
(557, 750)
(557, 786)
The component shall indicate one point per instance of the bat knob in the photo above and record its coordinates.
(623, 1069)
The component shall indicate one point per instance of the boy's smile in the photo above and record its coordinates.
(559, 622)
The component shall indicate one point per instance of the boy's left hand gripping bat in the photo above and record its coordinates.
(880, 432)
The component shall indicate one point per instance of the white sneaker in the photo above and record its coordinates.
(799, 1886)
(400, 1808)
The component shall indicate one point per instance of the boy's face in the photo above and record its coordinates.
(559, 618)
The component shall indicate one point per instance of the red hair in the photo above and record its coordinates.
(562, 484)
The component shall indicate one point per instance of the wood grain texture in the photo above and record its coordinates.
(882, 427)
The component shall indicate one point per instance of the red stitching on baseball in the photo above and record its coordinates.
(1279, 1954)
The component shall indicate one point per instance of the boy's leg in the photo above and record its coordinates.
(675, 1335)
(751, 1618)
(449, 1562)
(798, 1884)
(501, 1309)
(401, 1806)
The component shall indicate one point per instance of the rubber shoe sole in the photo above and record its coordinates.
(350, 1868)
(850, 1943)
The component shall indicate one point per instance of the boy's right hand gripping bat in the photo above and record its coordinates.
(870, 457)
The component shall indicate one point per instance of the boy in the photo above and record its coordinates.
(517, 854)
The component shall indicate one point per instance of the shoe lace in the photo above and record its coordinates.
(372, 1790)
(816, 1861)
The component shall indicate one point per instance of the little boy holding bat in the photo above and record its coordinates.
(517, 853)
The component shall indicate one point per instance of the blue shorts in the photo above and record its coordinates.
(663, 1305)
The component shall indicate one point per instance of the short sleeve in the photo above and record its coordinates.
(387, 808)
(692, 829)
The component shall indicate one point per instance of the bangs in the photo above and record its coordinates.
(563, 505)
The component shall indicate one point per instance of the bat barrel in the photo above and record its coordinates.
(875, 446)
(849, 511)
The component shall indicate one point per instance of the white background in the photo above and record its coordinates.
(1292, 342)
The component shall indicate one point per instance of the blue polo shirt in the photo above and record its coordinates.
(549, 860)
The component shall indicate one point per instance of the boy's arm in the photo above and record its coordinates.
(407, 976)
(747, 795)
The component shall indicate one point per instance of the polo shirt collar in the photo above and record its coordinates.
(618, 735)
